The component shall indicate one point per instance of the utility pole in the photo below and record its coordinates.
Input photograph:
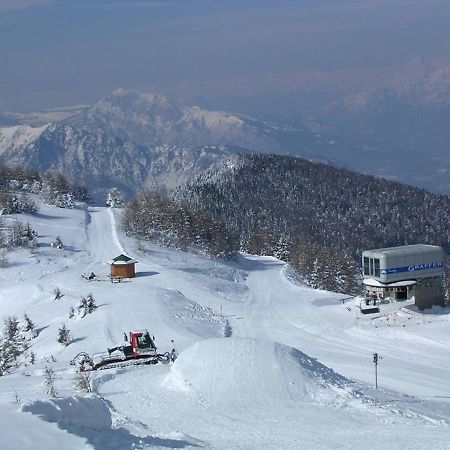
(376, 358)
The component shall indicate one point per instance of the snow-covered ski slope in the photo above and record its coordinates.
(264, 362)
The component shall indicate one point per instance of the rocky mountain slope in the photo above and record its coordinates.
(154, 120)
(137, 141)
(102, 160)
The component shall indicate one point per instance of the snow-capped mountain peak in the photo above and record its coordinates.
(196, 116)
(120, 137)
(137, 103)
(153, 120)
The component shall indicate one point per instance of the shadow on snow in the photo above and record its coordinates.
(90, 418)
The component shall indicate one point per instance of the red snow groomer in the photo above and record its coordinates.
(139, 348)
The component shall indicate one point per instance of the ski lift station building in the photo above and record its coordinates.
(405, 272)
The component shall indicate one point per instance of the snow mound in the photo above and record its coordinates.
(247, 372)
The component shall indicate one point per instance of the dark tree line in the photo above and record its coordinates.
(317, 217)
(15, 203)
(53, 188)
(153, 217)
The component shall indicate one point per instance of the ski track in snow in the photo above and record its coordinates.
(115, 237)
(295, 373)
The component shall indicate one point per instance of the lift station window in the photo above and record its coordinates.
(372, 266)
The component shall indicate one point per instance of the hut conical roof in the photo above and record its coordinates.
(122, 259)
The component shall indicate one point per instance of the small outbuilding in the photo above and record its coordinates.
(123, 266)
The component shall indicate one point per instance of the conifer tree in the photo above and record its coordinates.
(12, 346)
(83, 307)
(3, 260)
(83, 382)
(114, 199)
(49, 382)
(63, 335)
(90, 304)
(28, 324)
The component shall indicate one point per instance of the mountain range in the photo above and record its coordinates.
(138, 141)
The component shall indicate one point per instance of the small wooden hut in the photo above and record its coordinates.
(122, 266)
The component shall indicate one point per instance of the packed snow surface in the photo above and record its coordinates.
(264, 361)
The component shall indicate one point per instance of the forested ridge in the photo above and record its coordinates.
(317, 217)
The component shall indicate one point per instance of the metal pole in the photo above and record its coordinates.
(376, 375)
(375, 361)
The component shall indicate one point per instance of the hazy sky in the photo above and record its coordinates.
(61, 52)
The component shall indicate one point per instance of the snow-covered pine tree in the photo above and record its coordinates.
(17, 232)
(281, 250)
(90, 304)
(54, 187)
(49, 382)
(65, 200)
(22, 235)
(3, 260)
(9, 203)
(29, 237)
(80, 192)
(63, 335)
(12, 346)
(83, 382)
(28, 324)
(2, 234)
(27, 204)
(114, 199)
(82, 308)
